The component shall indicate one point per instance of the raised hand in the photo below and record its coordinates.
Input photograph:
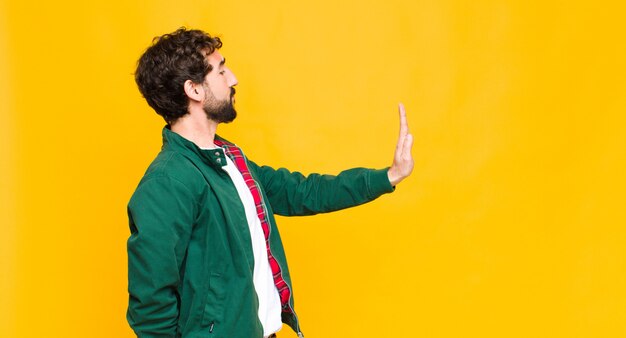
(402, 160)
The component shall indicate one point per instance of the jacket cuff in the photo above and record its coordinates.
(378, 183)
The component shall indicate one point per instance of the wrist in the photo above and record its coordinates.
(394, 177)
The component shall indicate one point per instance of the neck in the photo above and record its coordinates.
(197, 129)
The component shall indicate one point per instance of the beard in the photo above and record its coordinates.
(220, 111)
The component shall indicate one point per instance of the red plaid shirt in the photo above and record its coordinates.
(236, 155)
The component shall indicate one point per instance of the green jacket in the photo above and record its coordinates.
(190, 259)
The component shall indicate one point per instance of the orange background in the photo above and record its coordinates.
(512, 225)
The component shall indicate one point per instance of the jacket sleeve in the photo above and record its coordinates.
(161, 214)
(293, 194)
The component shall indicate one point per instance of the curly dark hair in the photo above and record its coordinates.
(165, 66)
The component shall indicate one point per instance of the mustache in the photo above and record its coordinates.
(232, 91)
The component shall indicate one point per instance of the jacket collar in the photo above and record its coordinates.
(213, 157)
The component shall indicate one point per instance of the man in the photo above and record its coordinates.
(205, 258)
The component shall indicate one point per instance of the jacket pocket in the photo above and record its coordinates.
(214, 302)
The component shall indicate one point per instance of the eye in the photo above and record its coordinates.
(222, 72)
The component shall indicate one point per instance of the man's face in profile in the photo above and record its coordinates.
(219, 90)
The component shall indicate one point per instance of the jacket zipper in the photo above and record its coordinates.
(269, 234)
(300, 334)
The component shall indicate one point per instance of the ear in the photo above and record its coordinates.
(194, 91)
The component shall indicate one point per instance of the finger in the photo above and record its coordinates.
(403, 130)
(404, 126)
(398, 153)
(407, 146)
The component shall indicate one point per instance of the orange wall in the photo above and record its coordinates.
(512, 224)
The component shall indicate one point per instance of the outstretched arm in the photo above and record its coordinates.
(402, 160)
(291, 193)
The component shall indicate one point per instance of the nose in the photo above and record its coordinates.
(232, 80)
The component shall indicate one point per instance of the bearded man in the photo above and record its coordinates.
(205, 258)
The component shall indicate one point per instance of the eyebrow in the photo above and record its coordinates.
(223, 61)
